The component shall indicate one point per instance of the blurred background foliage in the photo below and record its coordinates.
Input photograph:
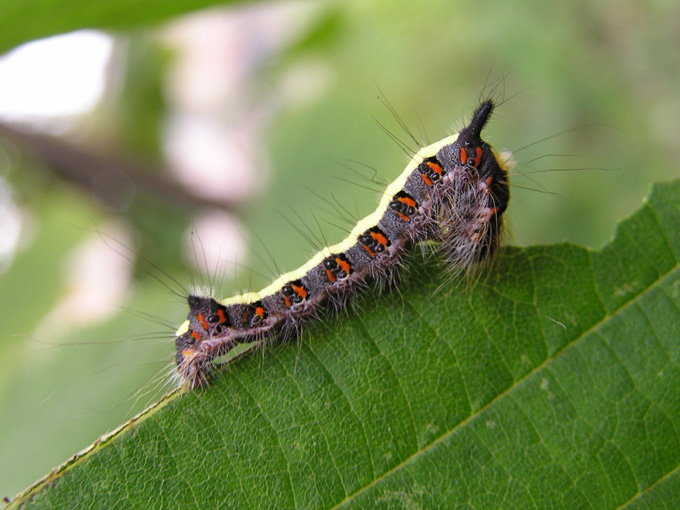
(590, 97)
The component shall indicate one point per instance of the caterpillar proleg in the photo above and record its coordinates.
(453, 192)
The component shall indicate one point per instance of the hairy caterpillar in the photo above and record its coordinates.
(454, 192)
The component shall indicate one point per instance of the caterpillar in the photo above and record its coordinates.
(453, 192)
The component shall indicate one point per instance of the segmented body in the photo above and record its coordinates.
(454, 191)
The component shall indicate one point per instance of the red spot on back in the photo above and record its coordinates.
(220, 314)
(408, 201)
(435, 167)
(381, 239)
(478, 157)
(370, 252)
(203, 322)
(300, 291)
(343, 264)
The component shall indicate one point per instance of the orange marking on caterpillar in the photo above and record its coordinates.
(203, 322)
(478, 157)
(329, 273)
(371, 253)
(380, 238)
(300, 291)
(222, 317)
(435, 167)
(408, 201)
(427, 180)
(195, 335)
(344, 265)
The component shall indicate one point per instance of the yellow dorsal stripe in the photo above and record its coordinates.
(362, 225)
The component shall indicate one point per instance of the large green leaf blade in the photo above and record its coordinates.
(553, 382)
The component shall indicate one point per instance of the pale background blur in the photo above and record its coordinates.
(265, 115)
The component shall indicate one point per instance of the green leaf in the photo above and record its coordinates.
(552, 382)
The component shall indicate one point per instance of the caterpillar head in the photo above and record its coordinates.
(481, 162)
(477, 194)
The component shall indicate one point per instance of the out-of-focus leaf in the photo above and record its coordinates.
(43, 18)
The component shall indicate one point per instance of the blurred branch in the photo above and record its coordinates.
(114, 179)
